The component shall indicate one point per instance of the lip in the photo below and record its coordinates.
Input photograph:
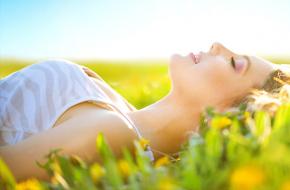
(195, 57)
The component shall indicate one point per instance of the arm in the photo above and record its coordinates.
(75, 136)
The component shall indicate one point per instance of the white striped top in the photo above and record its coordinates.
(33, 98)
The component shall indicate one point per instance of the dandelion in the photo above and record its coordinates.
(247, 177)
(220, 122)
(124, 167)
(166, 184)
(97, 172)
(286, 185)
(30, 184)
(162, 161)
(247, 115)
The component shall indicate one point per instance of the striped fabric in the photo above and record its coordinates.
(32, 99)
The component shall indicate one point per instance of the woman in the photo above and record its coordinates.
(58, 104)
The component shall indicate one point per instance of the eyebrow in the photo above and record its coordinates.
(249, 62)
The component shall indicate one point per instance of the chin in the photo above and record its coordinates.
(173, 61)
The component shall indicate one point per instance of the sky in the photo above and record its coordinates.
(122, 29)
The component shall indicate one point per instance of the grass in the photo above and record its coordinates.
(237, 150)
(140, 82)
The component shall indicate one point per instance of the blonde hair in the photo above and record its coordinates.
(275, 91)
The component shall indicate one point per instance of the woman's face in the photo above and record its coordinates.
(217, 77)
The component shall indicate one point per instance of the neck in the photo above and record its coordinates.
(168, 122)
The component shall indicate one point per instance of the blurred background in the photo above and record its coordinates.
(129, 42)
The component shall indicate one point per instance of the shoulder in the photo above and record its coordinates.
(89, 114)
(91, 122)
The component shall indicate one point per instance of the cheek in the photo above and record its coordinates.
(218, 77)
(211, 79)
(218, 83)
(213, 75)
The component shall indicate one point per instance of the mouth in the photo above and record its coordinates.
(195, 58)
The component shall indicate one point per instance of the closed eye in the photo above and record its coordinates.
(233, 63)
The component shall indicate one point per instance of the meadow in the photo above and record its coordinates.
(141, 82)
(239, 149)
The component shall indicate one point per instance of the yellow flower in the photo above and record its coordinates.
(144, 143)
(166, 184)
(97, 172)
(247, 177)
(286, 185)
(124, 167)
(30, 184)
(247, 115)
(162, 161)
(220, 122)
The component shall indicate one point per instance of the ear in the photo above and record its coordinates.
(241, 66)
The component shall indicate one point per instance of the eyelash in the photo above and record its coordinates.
(233, 63)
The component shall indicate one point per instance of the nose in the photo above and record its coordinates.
(218, 49)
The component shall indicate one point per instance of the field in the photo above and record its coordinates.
(140, 82)
(237, 150)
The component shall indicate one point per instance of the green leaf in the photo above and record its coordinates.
(7, 180)
(262, 125)
(143, 161)
(113, 176)
(282, 117)
(214, 145)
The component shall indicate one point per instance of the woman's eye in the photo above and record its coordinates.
(233, 63)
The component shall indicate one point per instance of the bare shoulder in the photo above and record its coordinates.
(91, 121)
(88, 113)
(78, 110)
